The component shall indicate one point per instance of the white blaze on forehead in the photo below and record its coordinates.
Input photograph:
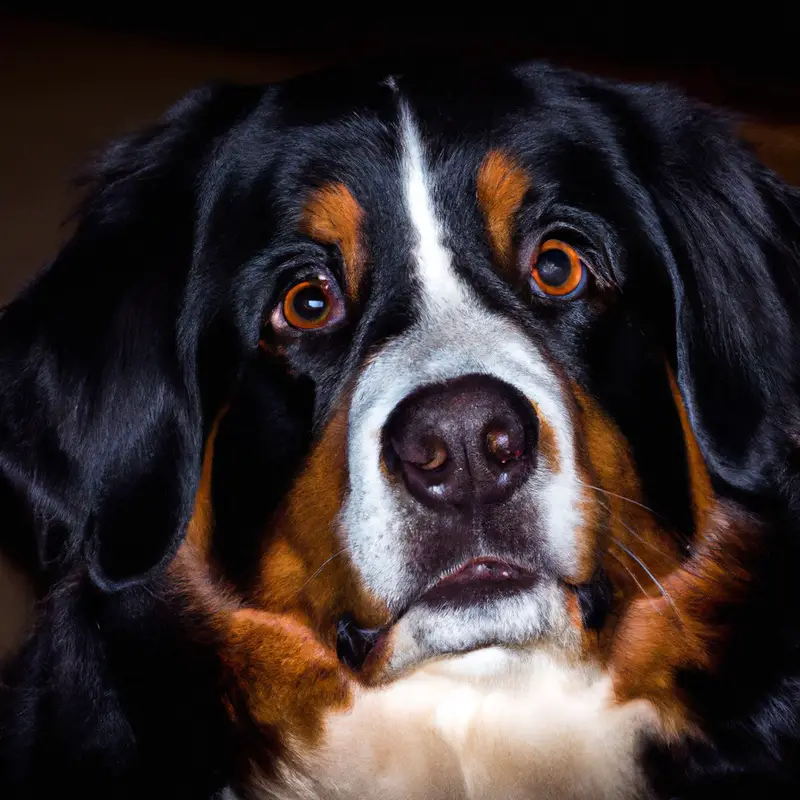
(454, 335)
(433, 262)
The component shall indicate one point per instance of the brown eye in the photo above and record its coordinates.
(310, 305)
(558, 270)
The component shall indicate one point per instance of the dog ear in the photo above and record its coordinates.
(730, 232)
(102, 407)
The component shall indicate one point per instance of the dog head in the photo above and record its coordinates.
(499, 337)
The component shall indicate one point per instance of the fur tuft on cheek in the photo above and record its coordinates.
(685, 628)
(679, 629)
(277, 677)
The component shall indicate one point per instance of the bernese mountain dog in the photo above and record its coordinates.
(411, 433)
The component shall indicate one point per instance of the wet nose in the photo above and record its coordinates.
(467, 441)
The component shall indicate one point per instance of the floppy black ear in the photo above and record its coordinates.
(731, 242)
(102, 412)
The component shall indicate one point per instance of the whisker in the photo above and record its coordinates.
(652, 577)
(635, 580)
(644, 541)
(621, 497)
(641, 538)
(322, 566)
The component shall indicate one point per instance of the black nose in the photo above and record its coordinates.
(468, 441)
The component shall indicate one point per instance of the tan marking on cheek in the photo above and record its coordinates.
(699, 482)
(200, 529)
(281, 672)
(628, 540)
(333, 216)
(501, 188)
(605, 470)
(659, 637)
(305, 568)
(303, 534)
(280, 676)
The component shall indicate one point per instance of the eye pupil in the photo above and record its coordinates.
(557, 270)
(310, 303)
(555, 267)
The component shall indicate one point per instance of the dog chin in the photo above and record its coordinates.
(430, 630)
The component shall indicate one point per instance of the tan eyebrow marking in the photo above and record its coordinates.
(502, 184)
(333, 216)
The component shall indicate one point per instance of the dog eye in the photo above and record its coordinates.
(558, 270)
(310, 305)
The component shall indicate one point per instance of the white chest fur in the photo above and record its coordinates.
(490, 724)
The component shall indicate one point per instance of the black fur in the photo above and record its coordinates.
(115, 362)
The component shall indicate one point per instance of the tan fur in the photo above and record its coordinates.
(688, 628)
(200, 528)
(333, 216)
(501, 188)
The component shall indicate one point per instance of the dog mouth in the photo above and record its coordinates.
(478, 594)
(477, 581)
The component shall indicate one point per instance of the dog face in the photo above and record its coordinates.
(502, 304)
(479, 351)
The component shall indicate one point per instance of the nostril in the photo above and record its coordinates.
(427, 453)
(438, 458)
(501, 446)
(508, 438)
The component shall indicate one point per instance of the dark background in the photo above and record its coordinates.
(742, 54)
(73, 75)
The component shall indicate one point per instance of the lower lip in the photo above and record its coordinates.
(477, 582)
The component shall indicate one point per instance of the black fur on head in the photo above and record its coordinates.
(113, 360)
(728, 232)
(113, 365)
